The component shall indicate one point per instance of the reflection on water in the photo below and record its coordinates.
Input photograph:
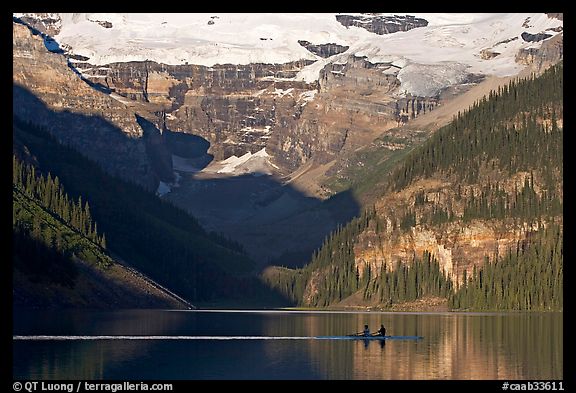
(455, 346)
(84, 359)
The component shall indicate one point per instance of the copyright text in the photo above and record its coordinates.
(80, 386)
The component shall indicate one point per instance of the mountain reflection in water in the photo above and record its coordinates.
(455, 346)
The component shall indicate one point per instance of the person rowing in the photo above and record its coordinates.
(381, 331)
(365, 332)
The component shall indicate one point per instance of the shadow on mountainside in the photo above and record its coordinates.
(95, 137)
(276, 223)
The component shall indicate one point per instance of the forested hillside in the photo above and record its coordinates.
(472, 216)
(59, 258)
(149, 234)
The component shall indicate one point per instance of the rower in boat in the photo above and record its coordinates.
(364, 333)
(381, 331)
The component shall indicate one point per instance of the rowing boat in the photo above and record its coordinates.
(354, 337)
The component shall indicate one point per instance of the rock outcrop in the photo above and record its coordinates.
(234, 107)
(557, 15)
(535, 37)
(324, 50)
(487, 54)
(46, 23)
(382, 24)
(550, 52)
(457, 248)
(354, 104)
(357, 101)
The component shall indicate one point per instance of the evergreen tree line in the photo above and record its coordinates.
(154, 236)
(48, 191)
(422, 278)
(334, 274)
(495, 203)
(44, 247)
(527, 278)
(492, 202)
(504, 131)
(50, 229)
(335, 259)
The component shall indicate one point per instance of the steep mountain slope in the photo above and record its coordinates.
(58, 257)
(49, 93)
(150, 235)
(481, 198)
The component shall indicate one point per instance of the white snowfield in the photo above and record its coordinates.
(255, 164)
(451, 42)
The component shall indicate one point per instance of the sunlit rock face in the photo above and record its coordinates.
(244, 108)
(48, 93)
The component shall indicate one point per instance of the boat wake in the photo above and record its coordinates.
(96, 338)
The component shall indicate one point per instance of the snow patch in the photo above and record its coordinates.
(282, 92)
(256, 164)
(120, 98)
(163, 189)
(310, 73)
(276, 79)
(258, 94)
(251, 130)
(428, 80)
(306, 97)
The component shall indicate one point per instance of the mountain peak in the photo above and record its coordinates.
(210, 39)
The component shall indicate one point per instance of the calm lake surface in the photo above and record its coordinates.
(521, 346)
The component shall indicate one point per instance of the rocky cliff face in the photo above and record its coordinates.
(457, 247)
(244, 108)
(382, 24)
(357, 101)
(324, 50)
(47, 23)
(551, 52)
(352, 106)
(47, 92)
(233, 107)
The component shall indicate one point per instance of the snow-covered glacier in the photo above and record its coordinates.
(428, 57)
